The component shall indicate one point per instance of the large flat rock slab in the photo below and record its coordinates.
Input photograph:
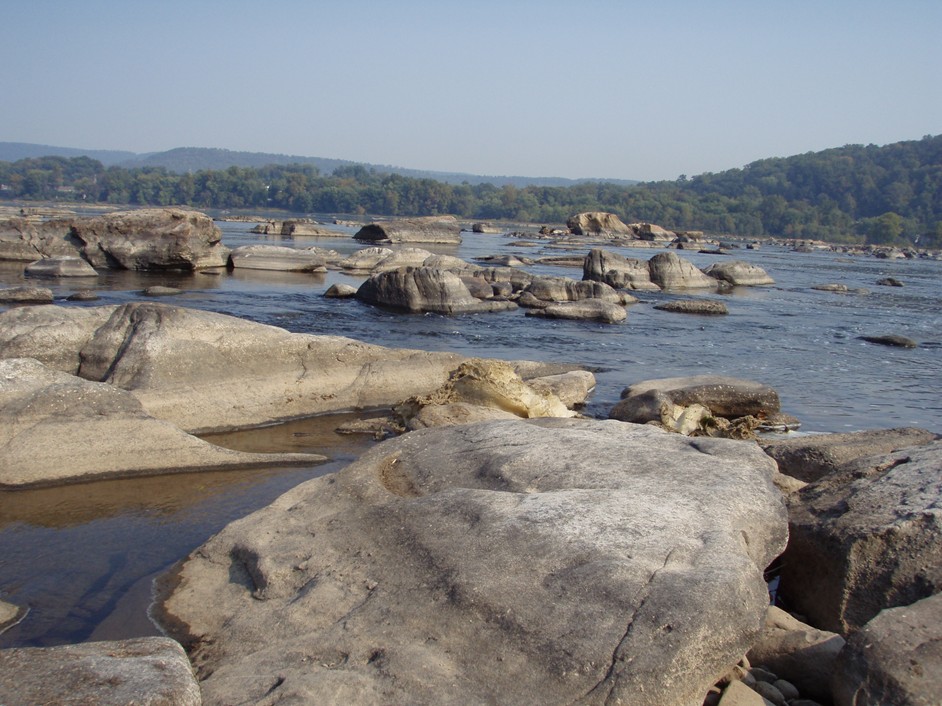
(58, 428)
(545, 561)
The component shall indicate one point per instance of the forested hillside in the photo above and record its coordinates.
(848, 194)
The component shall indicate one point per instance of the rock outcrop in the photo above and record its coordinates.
(145, 239)
(739, 273)
(670, 271)
(432, 229)
(274, 257)
(866, 538)
(597, 223)
(147, 671)
(543, 561)
(617, 271)
(58, 428)
(421, 289)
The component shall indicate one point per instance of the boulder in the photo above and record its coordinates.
(374, 260)
(803, 655)
(340, 290)
(26, 295)
(652, 232)
(572, 388)
(83, 295)
(57, 428)
(208, 372)
(146, 671)
(421, 289)
(809, 458)
(53, 335)
(9, 615)
(545, 561)
(894, 340)
(889, 282)
(597, 223)
(866, 538)
(896, 658)
(306, 228)
(566, 289)
(724, 396)
(144, 239)
(738, 694)
(274, 257)
(431, 229)
(158, 290)
(670, 271)
(66, 266)
(363, 261)
(587, 309)
(694, 306)
(840, 289)
(739, 273)
(617, 271)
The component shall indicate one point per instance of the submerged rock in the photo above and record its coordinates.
(597, 223)
(60, 267)
(542, 561)
(26, 295)
(274, 257)
(694, 306)
(587, 309)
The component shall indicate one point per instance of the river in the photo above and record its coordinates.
(82, 558)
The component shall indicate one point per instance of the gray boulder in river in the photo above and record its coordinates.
(419, 289)
(276, 257)
(544, 561)
(65, 266)
(144, 239)
(739, 273)
(430, 229)
(617, 270)
(670, 271)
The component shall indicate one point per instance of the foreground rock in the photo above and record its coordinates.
(145, 239)
(866, 538)
(148, 671)
(432, 229)
(809, 458)
(60, 267)
(57, 428)
(548, 561)
(896, 658)
(420, 289)
(274, 257)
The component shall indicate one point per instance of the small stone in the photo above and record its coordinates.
(340, 291)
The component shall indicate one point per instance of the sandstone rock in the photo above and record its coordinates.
(797, 652)
(896, 658)
(597, 223)
(670, 271)
(891, 340)
(26, 295)
(147, 671)
(566, 289)
(587, 309)
(866, 538)
(738, 694)
(572, 388)
(724, 396)
(739, 273)
(54, 335)
(274, 257)
(65, 266)
(809, 458)
(431, 229)
(419, 289)
(341, 291)
(617, 271)
(542, 561)
(694, 306)
(57, 428)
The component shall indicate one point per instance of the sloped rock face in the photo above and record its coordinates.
(670, 271)
(148, 671)
(617, 271)
(866, 538)
(739, 273)
(419, 289)
(57, 428)
(543, 561)
(432, 229)
(598, 223)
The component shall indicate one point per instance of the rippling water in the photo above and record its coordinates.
(82, 557)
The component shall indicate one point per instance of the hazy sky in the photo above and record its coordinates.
(594, 88)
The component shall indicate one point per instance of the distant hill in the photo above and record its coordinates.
(182, 160)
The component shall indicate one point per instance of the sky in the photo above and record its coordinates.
(594, 88)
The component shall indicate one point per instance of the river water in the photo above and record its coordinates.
(82, 558)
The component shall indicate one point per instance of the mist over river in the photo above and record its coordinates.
(82, 557)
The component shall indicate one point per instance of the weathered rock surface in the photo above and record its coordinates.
(544, 561)
(896, 658)
(797, 652)
(587, 309)
(275, 257)
(617, 271)
(420, 289)
(724, 396)
(670, 271)
(57, 428)
(809, 458)
(210, 372)
(145, 239)
(572, 388)
(694, 306)
(66, 266)
(739, 273)
(26, 295)
(431, 229)
(597, 223)
(374, 260)
(147, 671)
(866, 538)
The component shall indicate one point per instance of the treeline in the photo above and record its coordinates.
(890, 194)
